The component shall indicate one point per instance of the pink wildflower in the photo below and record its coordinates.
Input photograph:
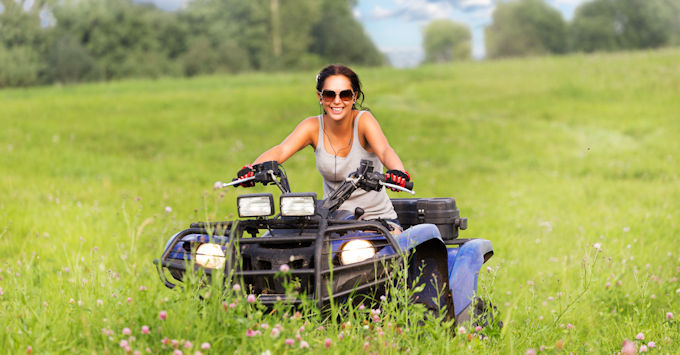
(162, 315)
(669, 315)
(366, 345)
(71, 301)
(640, 336)
(251, 298)
(100, 303)
(570, 326)
(651, 344)
(175, 343)
(217, 185)
(29, 350)
(205, 346)
(142, 288)
(290, 341)
(478, 329)
(628, 348)
(327, 343)
(462, 330)
(168, 209)
(232, 305)
(129, 300)
(643, 348)
(531, 352)
(236, 287)
(341, 335)
(361, 307)
(284, 268)
(177, 352)
(123, 343)
(127, 331)
(275, 332)
(304, 344)
(165, 341)
(597, 246)
(188, 345)
(145, 329)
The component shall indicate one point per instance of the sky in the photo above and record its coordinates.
(396, 25)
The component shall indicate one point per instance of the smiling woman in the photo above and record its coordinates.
(342, 136)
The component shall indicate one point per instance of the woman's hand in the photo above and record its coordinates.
(397, 177)
(246, 172)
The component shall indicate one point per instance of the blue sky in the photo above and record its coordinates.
(396, 25)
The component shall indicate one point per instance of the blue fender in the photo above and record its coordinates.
(416, 235)
(465, 263)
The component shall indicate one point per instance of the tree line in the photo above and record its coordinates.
(532, 27)
(48, 41)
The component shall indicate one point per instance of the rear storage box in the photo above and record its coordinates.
(440, 211)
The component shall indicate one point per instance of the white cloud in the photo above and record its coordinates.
(569, 2)
(475, 3)
(356, 13)
(416, 11)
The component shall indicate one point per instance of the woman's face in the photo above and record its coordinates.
(337, 97)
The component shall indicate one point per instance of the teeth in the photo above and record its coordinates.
(336, 109)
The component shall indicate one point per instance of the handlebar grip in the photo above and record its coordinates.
(409, 185)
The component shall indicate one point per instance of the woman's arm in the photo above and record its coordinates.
(377, 142)
(302, 136)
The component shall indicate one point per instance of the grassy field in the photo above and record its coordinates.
(568, 165)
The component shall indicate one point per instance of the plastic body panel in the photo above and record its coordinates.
(465, 263)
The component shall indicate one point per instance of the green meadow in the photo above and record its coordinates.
(568, 165)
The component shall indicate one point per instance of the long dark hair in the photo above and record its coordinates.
(339, 69)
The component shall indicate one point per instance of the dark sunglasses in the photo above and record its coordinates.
(345, 95)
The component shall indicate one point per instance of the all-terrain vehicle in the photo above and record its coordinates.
(333, 253)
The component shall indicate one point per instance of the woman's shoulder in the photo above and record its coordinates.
(311, 123)
(367, 120)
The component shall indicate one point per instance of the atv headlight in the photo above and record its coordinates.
(301, 204)
(355, 251)
(255, 205)
(210, 255)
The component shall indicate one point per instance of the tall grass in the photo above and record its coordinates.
(568, 165)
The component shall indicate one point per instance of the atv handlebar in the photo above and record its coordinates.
(265, 173)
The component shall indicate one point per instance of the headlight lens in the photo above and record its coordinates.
(302, 204)
(210, 255)
(355, 251)
(255, 205)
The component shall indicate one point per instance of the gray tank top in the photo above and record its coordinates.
(334, 170)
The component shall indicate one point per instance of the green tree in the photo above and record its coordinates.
(445, 40)
(525, 27)
(339, 38)
(621, 24)
(68, 61)
(126, 39)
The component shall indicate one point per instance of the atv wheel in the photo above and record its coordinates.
(480, 312)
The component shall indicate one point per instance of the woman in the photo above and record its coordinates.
(341, 137)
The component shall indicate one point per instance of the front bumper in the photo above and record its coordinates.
(256, 249)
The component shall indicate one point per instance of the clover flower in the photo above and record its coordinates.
(640, 336)
(162, 315)
(284, 268)
(145, 329)
(628, 348)
(205, 346)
